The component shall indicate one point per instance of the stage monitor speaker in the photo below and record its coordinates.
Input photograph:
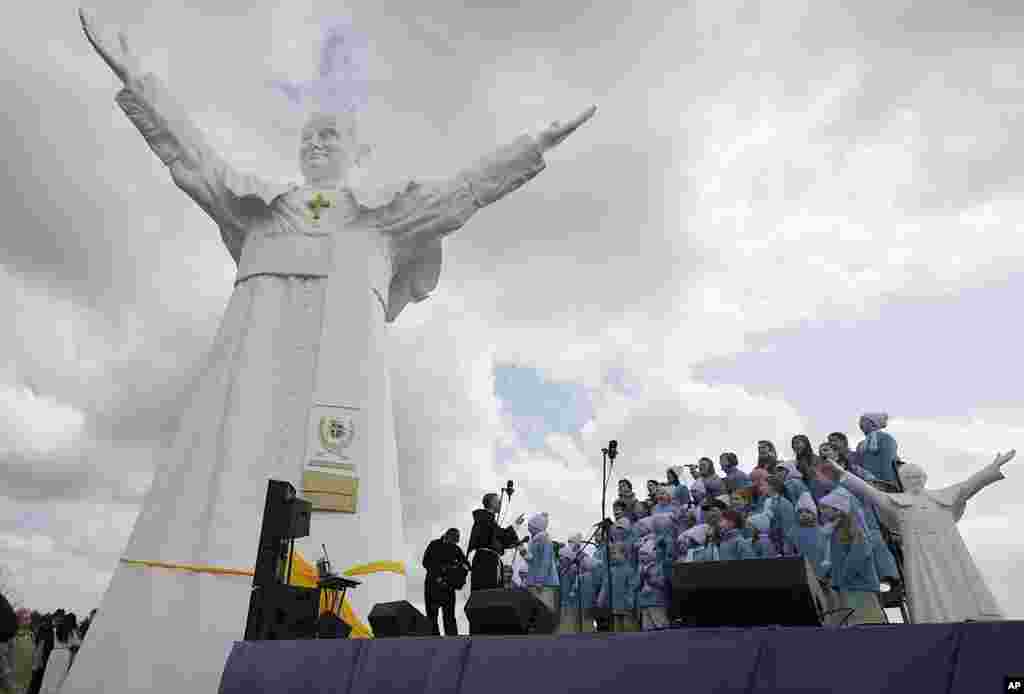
(393, 619)
(748, 592)
(282, 613)
(503, 612)
(285, 518)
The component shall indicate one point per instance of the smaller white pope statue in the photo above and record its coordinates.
(295, 386)
(942, 582)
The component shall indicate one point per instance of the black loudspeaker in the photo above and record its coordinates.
(278, 612)
(748, 592)
(392, 619)
(331, 626)
(285, 518)
(504, 612)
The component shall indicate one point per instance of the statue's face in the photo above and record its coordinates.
(324, 155)
(913, 478)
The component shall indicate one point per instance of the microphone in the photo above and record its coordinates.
(613, 449)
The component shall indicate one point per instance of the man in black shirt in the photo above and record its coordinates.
(445, 564)
(488, 542)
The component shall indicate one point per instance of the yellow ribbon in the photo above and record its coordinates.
(305, 575)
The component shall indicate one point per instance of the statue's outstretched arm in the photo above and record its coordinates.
(498, 174)
(436, 209)
(166, 127)
(418, 218)
(990, 474)
(194, 165)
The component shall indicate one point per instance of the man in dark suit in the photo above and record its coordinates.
(446, 567)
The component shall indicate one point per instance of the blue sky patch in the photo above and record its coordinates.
(537, 407)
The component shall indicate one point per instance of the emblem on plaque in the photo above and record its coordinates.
(336, 449)
(336, 433)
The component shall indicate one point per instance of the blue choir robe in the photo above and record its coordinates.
(853, 566)
(764, 547)
(625, 581)
(879, 463)
(810, 544)
(794, 488)
(733, 546)
(784, 523)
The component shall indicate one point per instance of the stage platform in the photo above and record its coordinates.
(948, 658)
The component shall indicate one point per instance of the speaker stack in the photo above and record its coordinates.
(278, 610)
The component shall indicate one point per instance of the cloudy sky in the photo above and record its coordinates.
(783, 215)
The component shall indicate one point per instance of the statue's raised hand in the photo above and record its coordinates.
(116, 54)
(558, 131)
(1003, 458)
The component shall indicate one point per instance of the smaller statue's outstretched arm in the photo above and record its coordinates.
(960, 494)
(868, 494)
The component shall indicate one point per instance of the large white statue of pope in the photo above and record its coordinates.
(294, 388)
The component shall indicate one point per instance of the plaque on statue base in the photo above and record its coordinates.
(328, 492)
(330, 479)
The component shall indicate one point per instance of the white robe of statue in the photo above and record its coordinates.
(161, 630)
(942, 582)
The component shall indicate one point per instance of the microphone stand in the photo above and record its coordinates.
(606, 468)
(504, 492)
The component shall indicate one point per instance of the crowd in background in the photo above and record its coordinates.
(796, 507)
(50, 643)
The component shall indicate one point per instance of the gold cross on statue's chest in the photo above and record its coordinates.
(319, 202)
